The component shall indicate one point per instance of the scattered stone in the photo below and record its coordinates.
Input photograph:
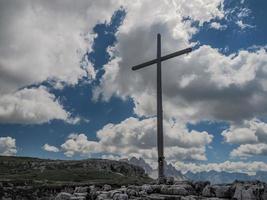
(107, 187)
(183, 190)
(169, 180)
(222, 191)
(200, 185)
(208, 191)
(63, 196)
(242, 193)
(118, 196)
(147, 188)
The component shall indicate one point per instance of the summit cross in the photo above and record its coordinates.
(158, 60)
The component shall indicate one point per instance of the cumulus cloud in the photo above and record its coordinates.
(7, 146)
(134, 137)
(232, 88)
(45, 41)
(204, 85)
(79, 144)
(243, 167)
(250, 135)
(247, 150)
(50, 148)
(31, 106)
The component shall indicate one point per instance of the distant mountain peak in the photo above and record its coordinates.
(170, 170)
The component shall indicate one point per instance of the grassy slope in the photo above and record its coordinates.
(17, 169)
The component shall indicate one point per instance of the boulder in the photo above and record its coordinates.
(189, 198)
(102, 196)
(169, 180)
(132, 193)
(63, 196)
(208, 191)
(118, 196)
(222, 191)
(242, 193)
(264, 194)
(112, 193)
(147, 188)
(173, 190)
(81, 189)
(200, 185)
(156, 188)
(107, 187)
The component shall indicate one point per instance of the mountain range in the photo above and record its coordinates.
(214, 177)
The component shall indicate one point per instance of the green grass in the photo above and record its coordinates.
(19, 169)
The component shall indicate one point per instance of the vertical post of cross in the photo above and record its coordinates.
(159, 113)
(158, 61)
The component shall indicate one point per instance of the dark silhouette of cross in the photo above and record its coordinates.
(158, 61)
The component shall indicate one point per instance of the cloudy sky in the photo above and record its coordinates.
(67, 90)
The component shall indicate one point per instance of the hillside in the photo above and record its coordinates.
(90, 171)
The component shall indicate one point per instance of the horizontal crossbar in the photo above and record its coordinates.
(166, 57)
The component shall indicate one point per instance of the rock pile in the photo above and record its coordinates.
(171, 190)
(183, 190)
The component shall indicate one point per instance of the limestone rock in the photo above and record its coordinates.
(242, 193)
(147, 188)
(222, 191)
(107, 187)
(63, 196)
(208, 191)
(169, 180)
(200, 185)
(120, 197)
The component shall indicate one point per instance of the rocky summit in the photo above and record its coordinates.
(99, 179)
(179, 190)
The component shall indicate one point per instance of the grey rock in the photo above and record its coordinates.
(264, 194)
(169, 180)
(189, 198)
(81, 189)
(147, 188)
(208, 191)
(102, 196)
(120, 197)
(242, 193)
(63, 196)
(107, 187)
(222, 191)
(132, 193)
(174, 190)
(200, 185)
(112, 193)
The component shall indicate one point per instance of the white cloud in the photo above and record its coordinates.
(79, 144)
(235, 82)
(45, 41)
(250, 135)
(134, 137)
(50, 148)
(248, 150)
(242, 25)
(31, 106)
(7, 146)
(194, 86)
(244, 167)
(217, 26)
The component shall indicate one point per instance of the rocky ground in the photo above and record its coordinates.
(171, 190)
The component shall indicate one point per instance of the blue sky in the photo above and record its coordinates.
(213, 99)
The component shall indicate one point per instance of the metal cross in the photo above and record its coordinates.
(158, 61)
